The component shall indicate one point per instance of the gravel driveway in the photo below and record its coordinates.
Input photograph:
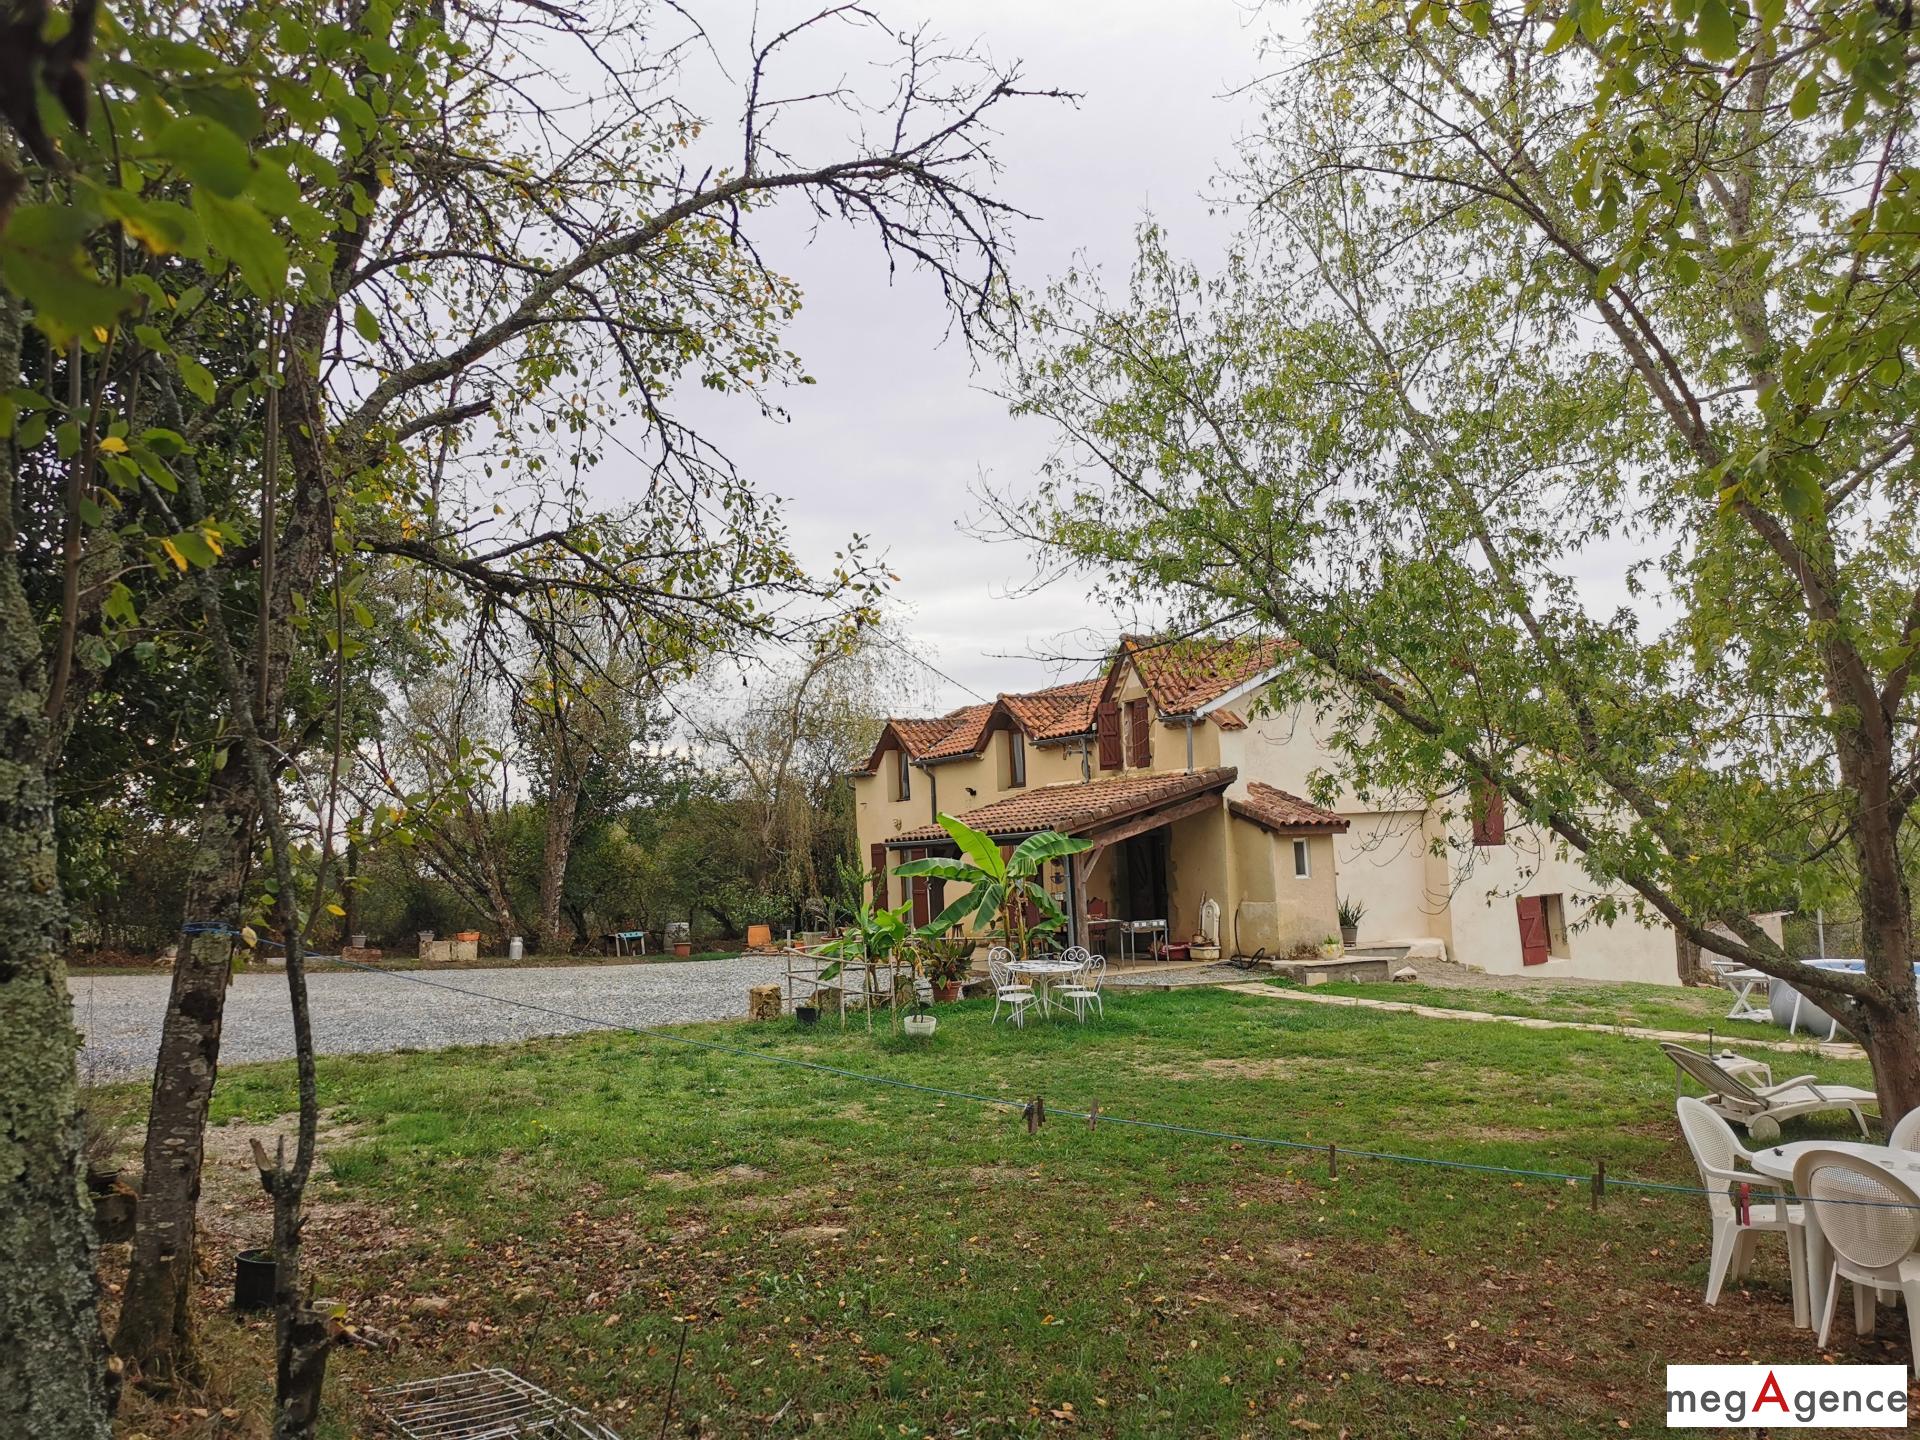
(355, 1012)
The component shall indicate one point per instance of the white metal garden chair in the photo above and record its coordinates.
(1739, 1222)
(1007, 988)
(1082, 990)
(1871, 1221)
(1906, 1135)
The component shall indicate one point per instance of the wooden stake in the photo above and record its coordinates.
(1333, 1161)
(1093, 1115)
(1599, 1186)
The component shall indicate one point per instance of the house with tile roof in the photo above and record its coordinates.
(1128, 760)
(1192, 790)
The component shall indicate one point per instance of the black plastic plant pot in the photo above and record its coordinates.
(806, 1014)
(253, 1280)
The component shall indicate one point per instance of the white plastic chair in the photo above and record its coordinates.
(1871, 1221)
(1007, 989)
(1082, 991)
(1906, 1135)
(1717, 1153)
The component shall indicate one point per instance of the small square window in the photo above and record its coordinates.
(1302, 861)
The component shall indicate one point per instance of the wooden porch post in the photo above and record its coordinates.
(1077, 898)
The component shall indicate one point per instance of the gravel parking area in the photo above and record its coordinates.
(358, 1012)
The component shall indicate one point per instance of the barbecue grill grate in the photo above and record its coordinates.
(481, 1405)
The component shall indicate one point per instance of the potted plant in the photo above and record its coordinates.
(945, 960)
(100, 1138)
(1351, 911)
(253, 1280)
(920, 1021)
(1331, 948)
(679, 935)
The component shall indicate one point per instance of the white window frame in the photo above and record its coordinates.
(903, 788)
(1016, 761)
(1302, 859)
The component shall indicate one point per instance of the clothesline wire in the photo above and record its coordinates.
(1098, 1116)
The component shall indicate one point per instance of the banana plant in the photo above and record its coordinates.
(874, 934)
(1000, 888)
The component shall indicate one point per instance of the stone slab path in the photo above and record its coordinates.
(1634, 1032)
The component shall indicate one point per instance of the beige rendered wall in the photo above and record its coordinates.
(1486, 926)
(879, 817)
(1199, 867)
(1383, 863)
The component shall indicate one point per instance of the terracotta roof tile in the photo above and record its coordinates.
(1228, 720)
(1058, 711)
(920, 736)
(1274, 809)
(966, 728)
(1075, 807)
(1183, 675)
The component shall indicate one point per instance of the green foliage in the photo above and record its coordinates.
(874, 934)
(1001, 889)
(1557, 400)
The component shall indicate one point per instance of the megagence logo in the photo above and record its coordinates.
(1787, 1397)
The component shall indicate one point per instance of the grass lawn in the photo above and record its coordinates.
(860, 1260)
(1656, 1007)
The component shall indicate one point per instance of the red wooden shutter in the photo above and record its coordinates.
(1140, 732)
(877, 855)
(921, 899)
(1533, 929)
(1107, 723)
(1489, 815)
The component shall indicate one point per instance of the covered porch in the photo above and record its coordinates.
(1158, 850)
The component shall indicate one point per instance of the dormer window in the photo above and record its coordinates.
(1016, 760)
(904, 789)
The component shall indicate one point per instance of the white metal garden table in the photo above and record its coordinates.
(1045, 971)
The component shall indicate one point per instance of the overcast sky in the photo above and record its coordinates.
(900, 426)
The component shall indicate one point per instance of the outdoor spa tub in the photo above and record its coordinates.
(1793, 1010)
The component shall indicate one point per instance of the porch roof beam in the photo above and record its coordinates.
(1152, 820)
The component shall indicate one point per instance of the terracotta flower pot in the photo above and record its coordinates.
(947, 994)
(682, 948)
(466, 935)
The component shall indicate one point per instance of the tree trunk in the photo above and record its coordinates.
(55, 1383)
(156, 1324)
(562, 801)
(1688, 963)
(1890, 1032)
(350, 894)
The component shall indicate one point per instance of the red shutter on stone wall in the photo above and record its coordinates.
(1107, 722)
(1140, 732)
(1489, 815)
